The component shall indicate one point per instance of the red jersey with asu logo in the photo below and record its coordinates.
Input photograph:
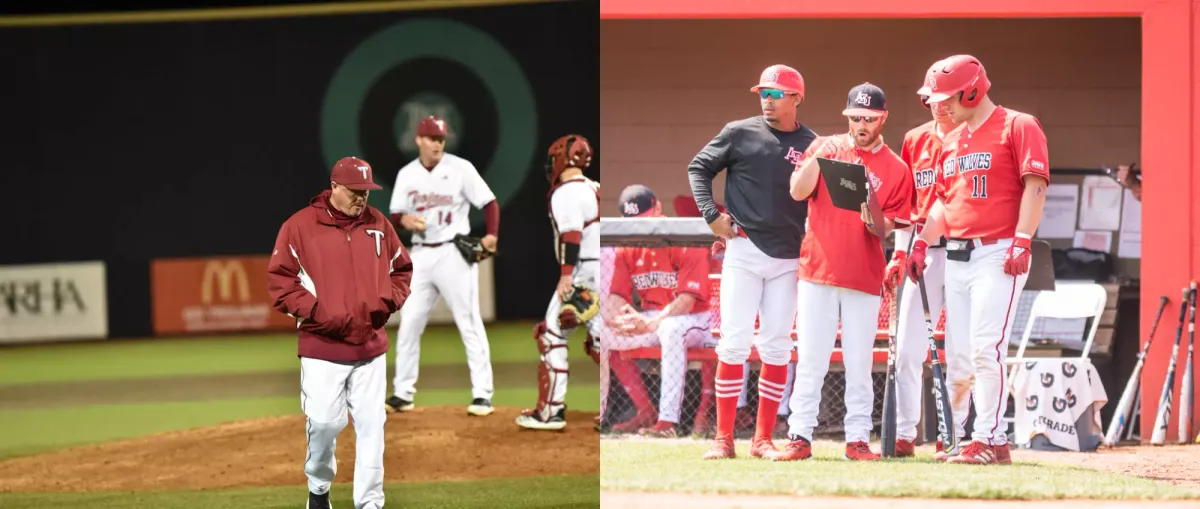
(921, 146)
(982, 172)
(838, 249)
(658, 275)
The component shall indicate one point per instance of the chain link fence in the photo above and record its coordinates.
(657, 377)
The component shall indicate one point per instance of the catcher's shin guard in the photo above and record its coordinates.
(591, 345)
(550, 413)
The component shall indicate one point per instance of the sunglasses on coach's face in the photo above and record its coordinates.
(869, 120)
(772, 93)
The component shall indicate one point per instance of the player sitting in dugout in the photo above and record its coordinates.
(672, 288)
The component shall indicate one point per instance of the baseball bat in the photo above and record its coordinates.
(887, 435)
(1125, 405)
(942, 398)
(1163, 415)
(1185, 388)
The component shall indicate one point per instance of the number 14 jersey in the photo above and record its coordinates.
(443, 196)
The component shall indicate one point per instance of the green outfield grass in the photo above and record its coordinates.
(675, 466)
(575, 491)
(228, 355)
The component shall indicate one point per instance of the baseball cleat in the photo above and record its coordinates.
(643, 419)
(480, 407)
(979, 453)
(321, 501)
(395, 404)
(529, 420)
(940, 454)
(796, 449)
(860, 451)
(762, 447)
(663, 429)
(722, 448)
(905, 448)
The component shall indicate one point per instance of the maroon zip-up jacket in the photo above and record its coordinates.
(340, 278)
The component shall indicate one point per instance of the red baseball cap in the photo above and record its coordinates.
(354, 173)
(432, 126)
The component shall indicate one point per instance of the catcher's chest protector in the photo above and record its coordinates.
(558, 249)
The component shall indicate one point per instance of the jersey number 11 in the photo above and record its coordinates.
(979, 186)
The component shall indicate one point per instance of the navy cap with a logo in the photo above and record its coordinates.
(865, 100)
(637, 200)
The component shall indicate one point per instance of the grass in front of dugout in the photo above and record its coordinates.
(635, 464)
(566, 491)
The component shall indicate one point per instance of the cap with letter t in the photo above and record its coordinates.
(637, 200)
(865, 100)
(354, 173)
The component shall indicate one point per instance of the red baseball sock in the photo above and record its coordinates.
(771, 382)
(631, 378)
(729, 387)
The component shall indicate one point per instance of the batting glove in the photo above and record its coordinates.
(1016, 260)
(718, 248)
(892, 279)
(916, 259)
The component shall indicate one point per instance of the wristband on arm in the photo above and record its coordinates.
(570, 251)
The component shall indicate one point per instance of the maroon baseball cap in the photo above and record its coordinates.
(432, 126)
(354, 173)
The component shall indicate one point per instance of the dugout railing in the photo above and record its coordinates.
(696, 415)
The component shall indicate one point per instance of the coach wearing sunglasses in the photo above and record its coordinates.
(761, 235)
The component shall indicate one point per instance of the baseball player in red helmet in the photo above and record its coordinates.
(994, 171)
(574, 206)
(921, 145)
(762, 231)
(841, 267)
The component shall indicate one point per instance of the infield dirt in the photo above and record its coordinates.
(427, 444)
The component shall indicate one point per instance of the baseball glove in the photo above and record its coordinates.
(579, 306)
(471, 248)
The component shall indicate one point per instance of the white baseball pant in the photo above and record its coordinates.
(817, 308)
(441, 270)
(755, 284)
(675, 334)
(981, 301)
(327, 391)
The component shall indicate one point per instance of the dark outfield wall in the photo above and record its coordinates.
(125, 143)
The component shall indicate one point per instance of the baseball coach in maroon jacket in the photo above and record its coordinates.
(340, 270)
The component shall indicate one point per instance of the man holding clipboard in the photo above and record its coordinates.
(854, 184)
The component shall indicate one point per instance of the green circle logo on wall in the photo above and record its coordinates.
(441, 39)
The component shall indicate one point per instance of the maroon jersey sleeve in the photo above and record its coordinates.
(1030, 153)
(693, 272)
(284, 274)
(622, 281)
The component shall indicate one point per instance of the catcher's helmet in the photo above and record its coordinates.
(570, 151)
(781, 77)
(959, 73)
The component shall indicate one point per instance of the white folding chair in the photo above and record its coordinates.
(1070, 299)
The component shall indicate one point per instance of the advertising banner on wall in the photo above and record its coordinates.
(53, 302)
(225, 294)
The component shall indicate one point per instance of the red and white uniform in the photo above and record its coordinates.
(922, 145)
(657, 276)
(841, 271)
(981, 184)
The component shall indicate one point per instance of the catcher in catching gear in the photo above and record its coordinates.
(574, 203)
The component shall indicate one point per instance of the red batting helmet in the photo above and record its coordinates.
(781, 77)
(959, 73)
(570, 151)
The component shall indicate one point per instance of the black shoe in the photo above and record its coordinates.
(316, 501)
(395, 404)
(480, 407)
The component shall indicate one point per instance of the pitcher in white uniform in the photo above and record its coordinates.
(432, 198)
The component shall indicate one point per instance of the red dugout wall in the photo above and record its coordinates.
(1170, 120)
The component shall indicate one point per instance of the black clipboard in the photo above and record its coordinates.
(845, 182)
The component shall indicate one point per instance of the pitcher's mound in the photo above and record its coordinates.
(427, 444)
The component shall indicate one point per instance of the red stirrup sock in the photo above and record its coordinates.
(631, 378)
(771, 382)
(729, 386)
